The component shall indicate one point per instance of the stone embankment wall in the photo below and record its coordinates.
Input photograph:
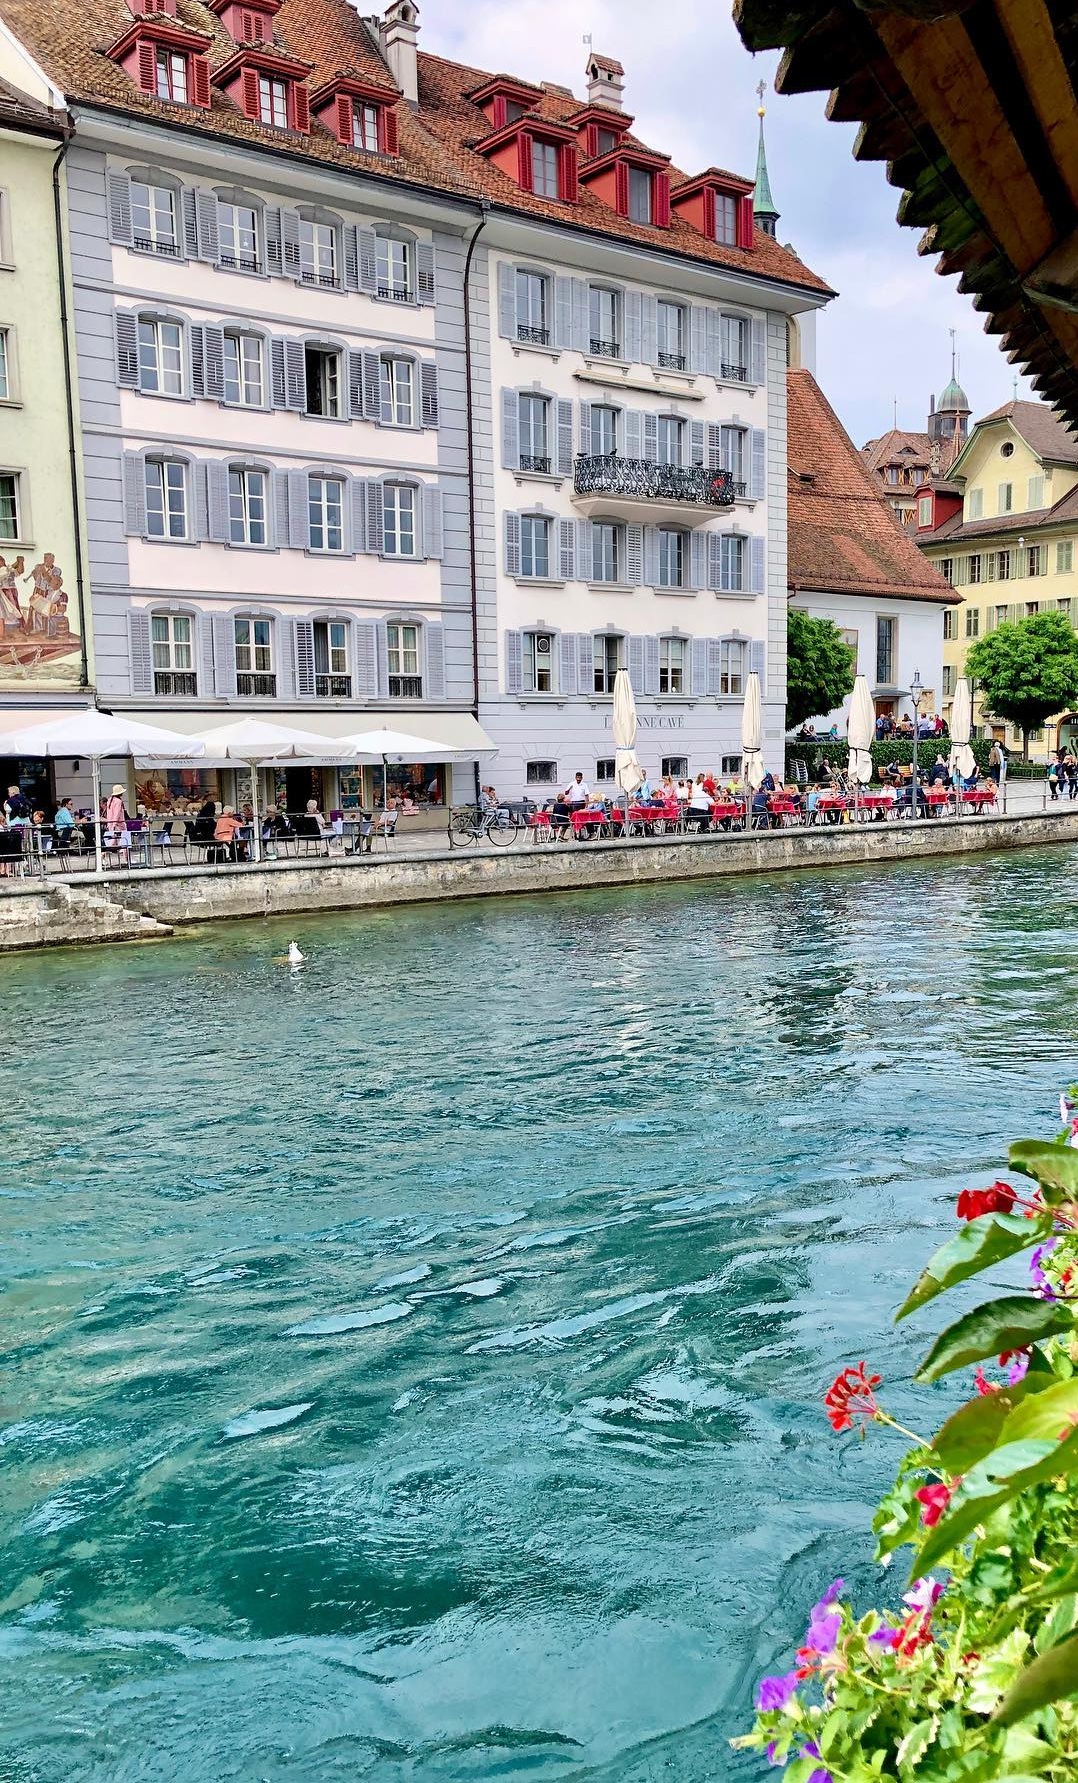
(140, 905)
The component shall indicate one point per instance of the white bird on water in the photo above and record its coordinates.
(295, 958)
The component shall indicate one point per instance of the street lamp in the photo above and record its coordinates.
(916, 690)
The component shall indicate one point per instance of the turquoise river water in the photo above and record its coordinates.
(412, 1365)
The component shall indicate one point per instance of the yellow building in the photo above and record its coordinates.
(1006, 539)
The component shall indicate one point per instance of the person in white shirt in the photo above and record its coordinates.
(684, 791)
(700, 804)
(578, 792)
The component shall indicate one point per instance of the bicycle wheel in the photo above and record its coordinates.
(462, 829)
(503, 834)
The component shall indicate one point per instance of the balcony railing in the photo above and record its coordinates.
(396, 293)
(535, 337)
(672, 361)
(652, 482)
(147, 244)
(240, 262)
(333, 687)
(175, 683)
(605, 349)
(406, 687)
(253, 687)
(530, 461)
(740, 373)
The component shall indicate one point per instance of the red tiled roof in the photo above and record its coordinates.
(897, 444)
(956, 530)
(19, 112)
(1044, 432)
(843, 537)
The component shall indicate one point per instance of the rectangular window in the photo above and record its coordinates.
(851, 637)
(605, 551)
(640, 183)
(1035, 492)
(671, 336)
(608, 657)
(949, 676)
(885, 651)
(1065, 607)
(670, 439)
(1005, 498)
(538, 657)
(973, 622)
(605, 141)
(1064, 557)
(671, 558)
(534, 546)
(332, 679)
(1033, 560)
(606, 767)
(725, 220)
(947, 569)
(677, 766)
(534, 416)
(317, 253)
(364, 126)
(255, 674)
(393, 268)
(323, 374)
(5, 365)
(1032, 608)
(540, 773)
(243, 370)
(273, 101)
(734, 340)
(533, 321)
(153, 218)
(924, 511)
(975, 567)
(166, 499)
(1003, 566)
(545, 169)
(732, 667)
(1001, 615)
(402, 648)
(170, 75)
(975, 504)
(732, 456)
(398, 520)
(10, 519)
(325, 508)
(950, 625)
(247, 507)
(172, 646)
(671, 665)
(603, 320)
(160, 357)
(731, 563)
(604, 430)
(237, 236)
(398, 397)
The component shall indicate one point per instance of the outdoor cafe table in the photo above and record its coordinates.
(787, 809)
(880, 803)
(980, 797)
(937, 798)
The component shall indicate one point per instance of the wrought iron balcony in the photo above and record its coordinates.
(333, 687)
(605, 349)
(175, 683)
(256, 686)
(672, 361)
(530, 461)
(639, 480)
(740, 373)
(535, 337)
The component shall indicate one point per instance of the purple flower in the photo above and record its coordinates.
(925, 1595)
(823, 1629)
(1036, 1269)
(772, 1748)
(775, 1692)
(885, 1636)
(1019, 1368)
(819, 1775)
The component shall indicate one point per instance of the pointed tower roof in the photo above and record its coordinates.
(763, 205)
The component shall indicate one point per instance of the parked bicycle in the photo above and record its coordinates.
(473, 823)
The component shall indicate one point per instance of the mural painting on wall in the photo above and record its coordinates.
(37, 643)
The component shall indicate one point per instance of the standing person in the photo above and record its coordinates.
(700, 805)
(1070, 773)
(997, 762)
(115, 820)
(17, 806)
(577, 793)
(1055, 768)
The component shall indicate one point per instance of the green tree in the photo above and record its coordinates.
(1027, 670)
(819, 667)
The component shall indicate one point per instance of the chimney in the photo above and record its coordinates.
(400, 34)
(606, 82)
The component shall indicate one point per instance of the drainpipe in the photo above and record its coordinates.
(471, 467)
(72, 440)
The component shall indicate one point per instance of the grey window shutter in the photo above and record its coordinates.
(382, 645)
(567, 662)
(634, 555)
(271, 222)
(698, 667)
(564, 412)
(431, 535)
(280, 387)
(757, 464)
(206, 212)
(435, 636)
(651, 556)
(295, 364)
(351, 257)
(355, 385)
(510, 430)
(585, 662)
(120, 209)
(368, 260)
(290, 243)
(205, 651)
(372, 387)
(303, 630)
(507, 300)
(563, 312)
(714, 446)
(428, 383)
(198, 360)
(631, 346)
(756, 564)
(651, 665)
(279, 484)
(217, 500)
(585, 429)
(284, 658)
(512, 544)
(758, 351)
(126, 349)
(714, 666)
(757, 659)
(651, 438)
(514, 662)
(224, 655)
(201, 509)
(697, 338)
(714, 561)
(634, 433)
(134, 494)
(696, 442)
(714, 343)
(585, 554)
(213, 361)
(189, 211)
(357, 491)
(366, 680)
(374, 515)
(697, 556)
(298, 534)
(636, 662)
(138, 627)
(581, 317)
(649, 329)
(566, 550)
(424, 271)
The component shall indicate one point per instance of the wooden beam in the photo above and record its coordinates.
(1055, 280)
(823, 57)
(1040, 66)
(772, 24)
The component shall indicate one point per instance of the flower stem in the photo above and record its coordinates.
(882, 1417)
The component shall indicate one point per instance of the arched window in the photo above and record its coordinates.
(732, 656)
(404, 644)
(325, 512)
(248, 505)
(394, 253)
(244, 356)
(319, 248)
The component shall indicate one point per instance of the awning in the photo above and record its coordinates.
(457, 730)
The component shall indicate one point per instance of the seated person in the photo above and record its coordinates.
(560, 813)
(276, 823)
(227, 845)
(668, 790)
(205, 823)
(310, 822)
(64, 823)
(761, 814)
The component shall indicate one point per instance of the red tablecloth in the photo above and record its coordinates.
(877, 801)
(830, 801)
(979, 796)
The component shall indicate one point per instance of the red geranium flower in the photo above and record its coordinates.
(851, 1395)
(972, 1203)
(935, 1500)
(983, 1385)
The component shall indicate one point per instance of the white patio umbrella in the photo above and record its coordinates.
(961, 759)
(397, 746)
(752, 734)
(98, 736)
(627, 770)
(255, 742)
(861, 731)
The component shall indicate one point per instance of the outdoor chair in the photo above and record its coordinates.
(384, 827)
(308, 833)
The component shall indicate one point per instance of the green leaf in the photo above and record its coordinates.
(989, 1485)
(973, 1430)
(1051, 1677)
(1046, 1414)
(977, 1246)
(1049, 1163)
(1010, 1323)
(915, 1744)
(1060, 1624)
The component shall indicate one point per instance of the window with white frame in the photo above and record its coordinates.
(538, 658)
(317, 252)
(670, 439)
(677, 766)
(540, 773)
(732, 667)
(393, 268)
(604, 430)
(974, 566)
(533, 307)
(1003, 566)
(671, 318)
(606, 551)
(604, 317)
(256, 676)
(734, 337)
(173, 651)
(170, 75)
(725, 219)
(606, 767)
(273, 101)
(166, 498)
(950, 625)
(924, 511)
(364, 126)
(332, 676)
(10, 505)
(640, 194)
(1033, 560)
(398, 520)
(973, 622)
(732, 455)
(160, 356)
(325, 513)
(247, 523)
(237, 236)
(7, 381)
(153, 218)
(947, 569)
(402, 653)
(608, 656)
(322, 373)
(398, 391)
(534, 425)
(544, 169)
(245, 383)
(671, 665)
(671, 558)
(731, 563)
(1005, 498)
(534, 545)
(1064, 557)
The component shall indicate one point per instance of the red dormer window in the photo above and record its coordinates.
(599, 129)
(719, 206)
(634, 184)
(504, 101)
(144, 8)
(268, 88)
(247, 21)
(361, 116)
(539, 155)
(166, 59)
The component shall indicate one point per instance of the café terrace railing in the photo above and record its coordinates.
(640, 478)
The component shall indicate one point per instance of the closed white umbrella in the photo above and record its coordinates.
(98, 735)
(961, 759)
(861, 731)
(255, 740)
(752, 734)
(627, 770)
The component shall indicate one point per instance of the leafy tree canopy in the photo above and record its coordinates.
(819, 667)
(1027, 670)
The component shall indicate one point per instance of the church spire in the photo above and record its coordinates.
(763, 205)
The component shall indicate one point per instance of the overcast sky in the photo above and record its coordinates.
(690, 84)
